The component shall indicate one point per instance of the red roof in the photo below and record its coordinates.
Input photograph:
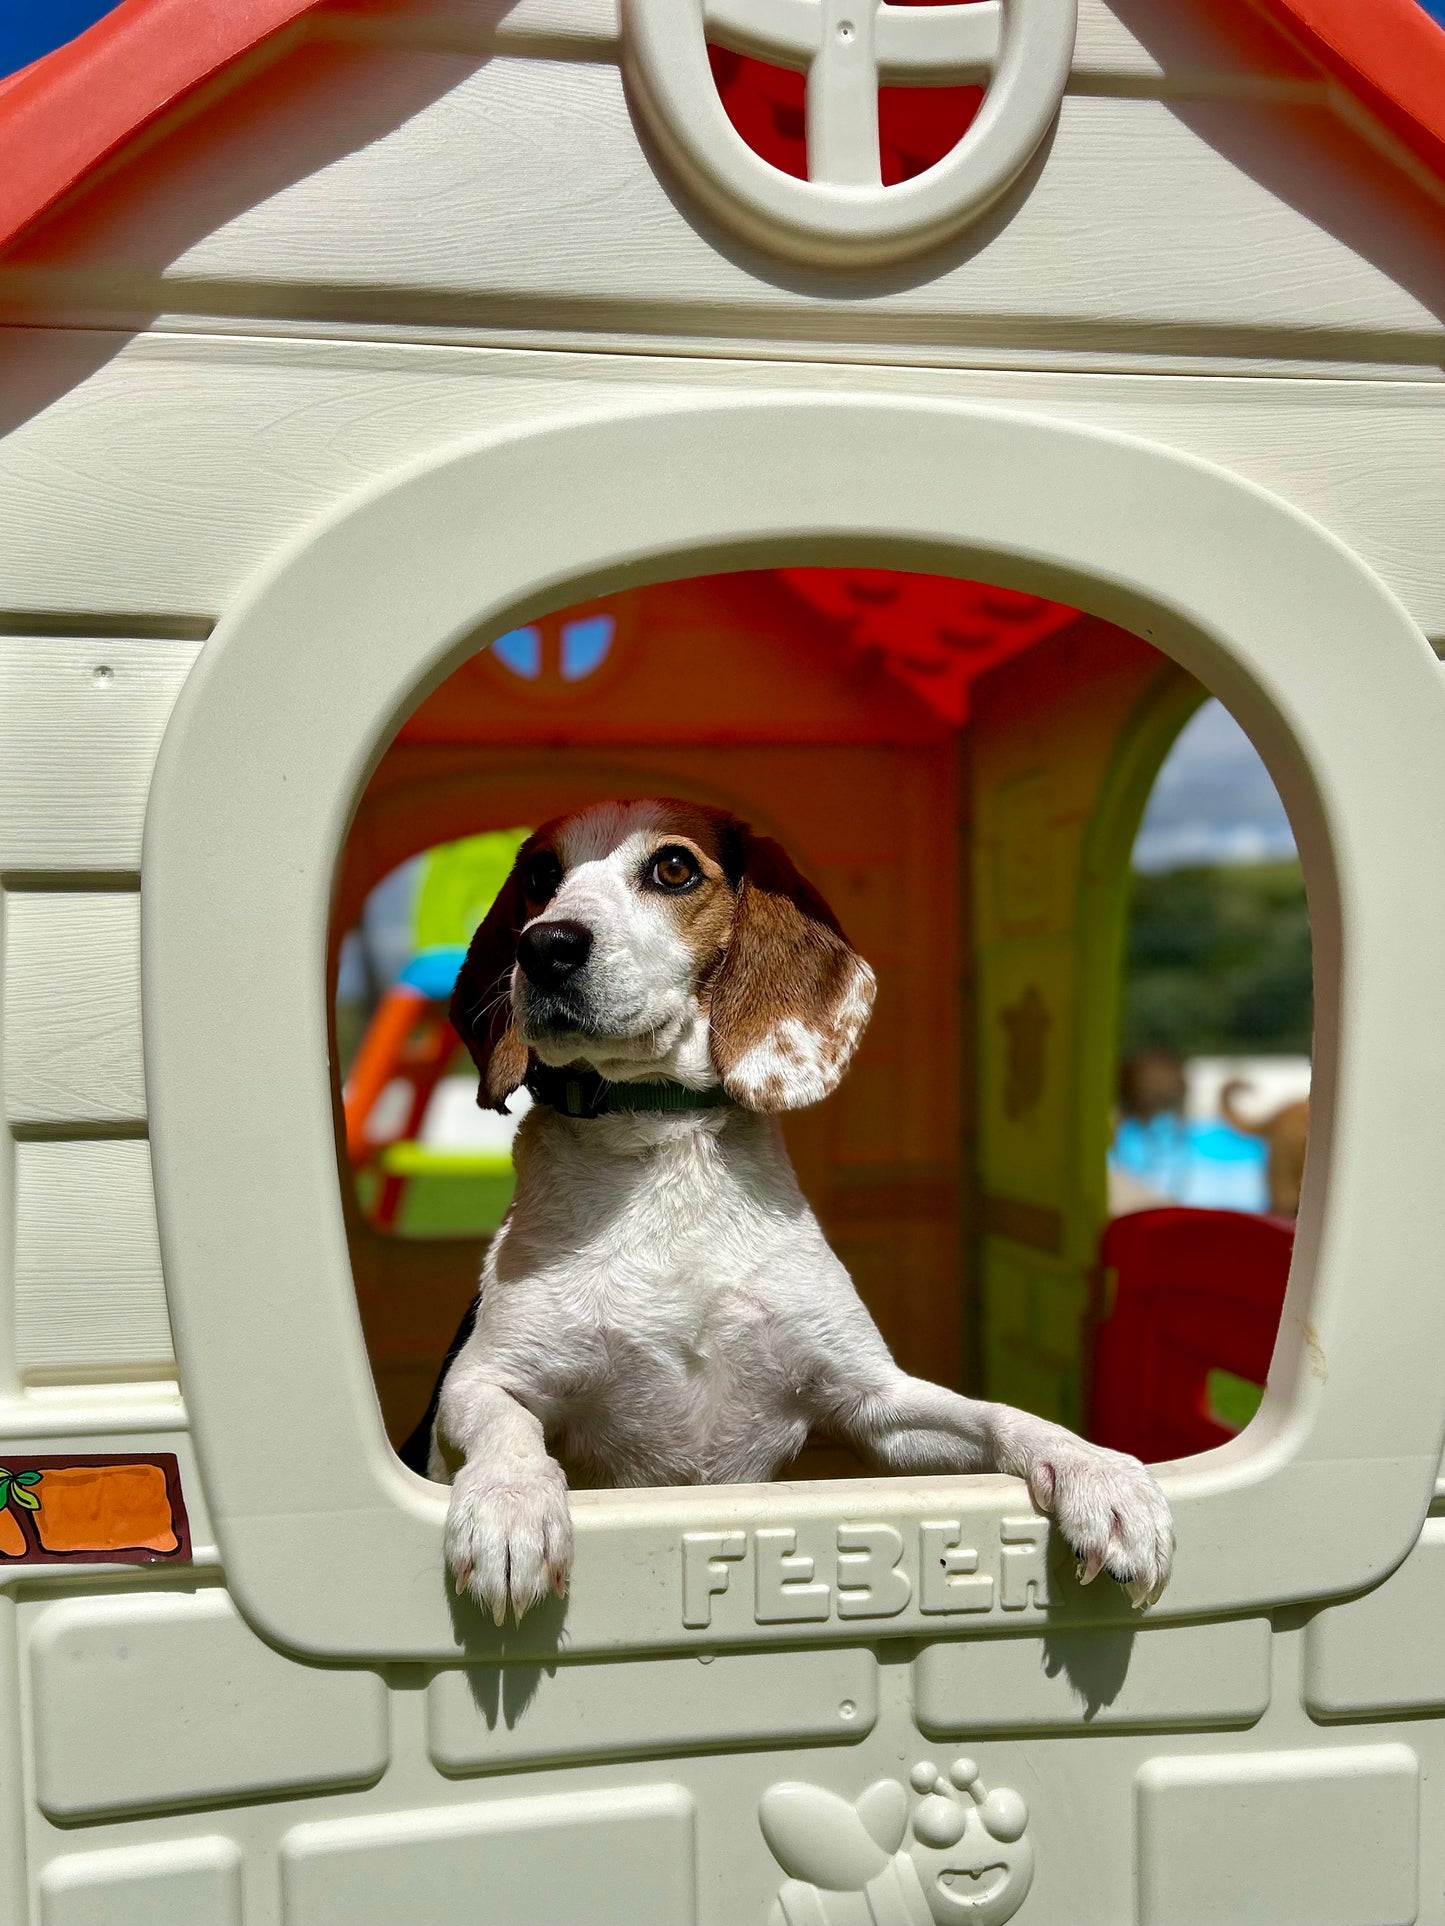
(937, 635)
(1389, 53)
(64, 114)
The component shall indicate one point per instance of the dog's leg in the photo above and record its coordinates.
(509, 1532)
(1105, 1503)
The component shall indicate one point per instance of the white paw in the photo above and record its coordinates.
(509, 1540)
(1108, 1507)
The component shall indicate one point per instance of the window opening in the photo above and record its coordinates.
(585, 646)
(579, 647)
(1217, 1008)
(520, 650)
(917, 126)
(942, 758)
(1211, 1121)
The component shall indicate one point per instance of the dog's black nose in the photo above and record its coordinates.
(551, 952)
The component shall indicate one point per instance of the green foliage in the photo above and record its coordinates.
(1218, 962)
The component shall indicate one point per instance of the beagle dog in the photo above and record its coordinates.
(660, 1306)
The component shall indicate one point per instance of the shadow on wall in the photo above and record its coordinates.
(1321, 168)
(282, 113)
(1094, 1660)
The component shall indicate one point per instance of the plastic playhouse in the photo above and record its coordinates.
(424, 416)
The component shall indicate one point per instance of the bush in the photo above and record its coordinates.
(1218, 963)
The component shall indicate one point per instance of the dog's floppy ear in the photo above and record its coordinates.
(481, 1005)
(791, 996)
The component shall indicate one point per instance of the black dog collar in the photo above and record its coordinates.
(582, 1093)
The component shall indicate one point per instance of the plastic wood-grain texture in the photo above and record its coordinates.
(243, 442)
(80, 723)
(424, 164)
(71, 988)
(90, 1301)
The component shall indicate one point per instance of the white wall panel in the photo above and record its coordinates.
(188, 461)
(71, 992)
(1263, 1838)
(623, 1856)
(1090, 1678)
(90, 1301)
(1182, 45)
(1383, 1654)
(168, 1882)
(80, 725)
(737, 1700)
(200, 1710)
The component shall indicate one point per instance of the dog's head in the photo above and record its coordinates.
(662, 939)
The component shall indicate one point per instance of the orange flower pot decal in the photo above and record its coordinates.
(93, 1510)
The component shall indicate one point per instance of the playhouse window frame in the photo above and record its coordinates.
(331, 1547)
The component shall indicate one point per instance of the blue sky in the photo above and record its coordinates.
(1213, 801)
(29, 28)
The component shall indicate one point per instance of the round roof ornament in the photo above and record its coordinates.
(843, 215)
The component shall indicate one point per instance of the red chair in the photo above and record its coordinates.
(1197, 1291)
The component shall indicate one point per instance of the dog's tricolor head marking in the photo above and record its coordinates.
(663, 938)
(791, 996)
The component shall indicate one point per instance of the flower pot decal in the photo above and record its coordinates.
(83, 1509)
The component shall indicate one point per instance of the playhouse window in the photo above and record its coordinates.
(564, 649)
(1212, 1112)
(917, 126)
(972, 1173)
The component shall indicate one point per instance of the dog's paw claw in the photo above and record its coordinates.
(1108, 1509)
(509, 1541)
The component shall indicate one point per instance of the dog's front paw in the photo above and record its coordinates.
(509, 1539)
(1108, 1507)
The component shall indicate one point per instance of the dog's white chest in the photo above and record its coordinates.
(643, 1302)
(686, 1386)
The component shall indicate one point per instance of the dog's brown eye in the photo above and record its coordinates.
(674, 869)
(541, 876)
